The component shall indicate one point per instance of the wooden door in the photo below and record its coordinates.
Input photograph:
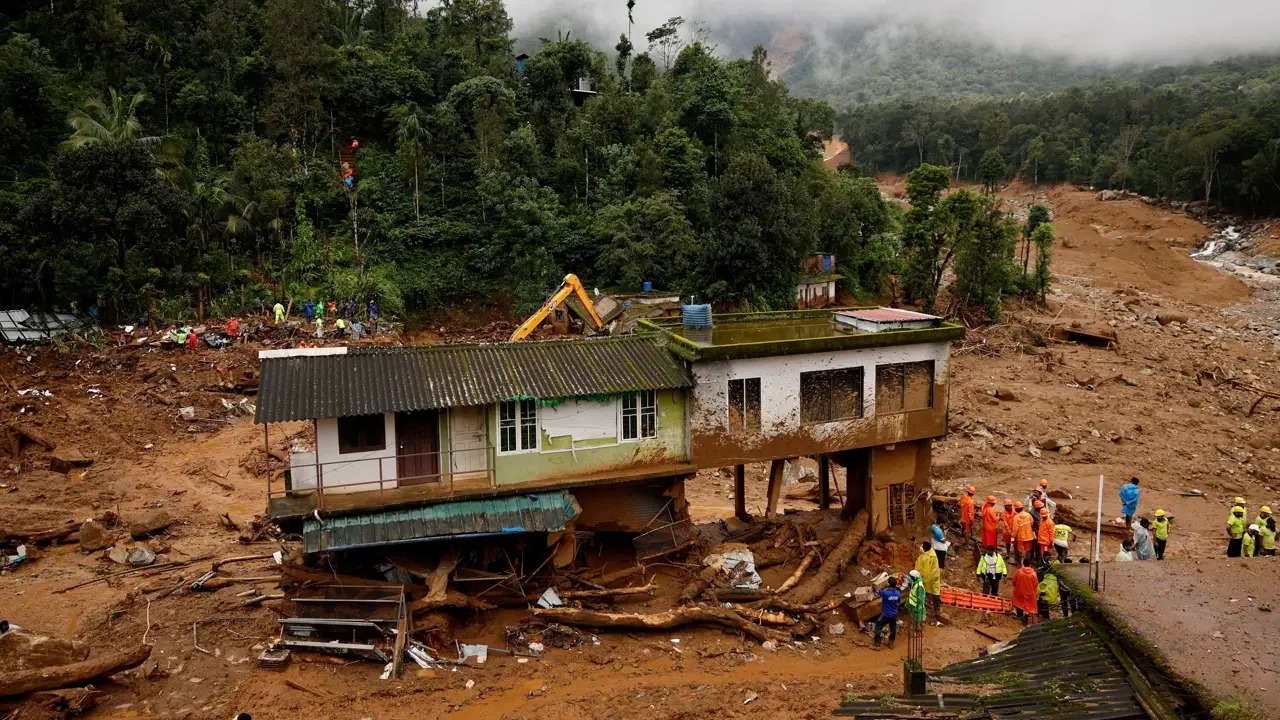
(468, 442)
(417, 447)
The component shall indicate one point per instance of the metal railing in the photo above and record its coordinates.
(442, 469)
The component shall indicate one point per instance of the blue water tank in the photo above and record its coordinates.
(696, 317)
(828, 263)
(646, 286)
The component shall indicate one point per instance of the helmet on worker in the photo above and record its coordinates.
(1265, 509)
(1044, 512)
(1159, 513)
(971, 489)
(1037, 504)
(1007, 502)
(1239, 501)
(1044, 483)
(1018, 506)
(991, 499)
(1237, 510)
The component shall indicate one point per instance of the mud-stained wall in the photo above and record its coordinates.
(907, 462)
(348, 472)
(781, 433)
(561, 458)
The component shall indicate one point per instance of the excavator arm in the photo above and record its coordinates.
(571, 285)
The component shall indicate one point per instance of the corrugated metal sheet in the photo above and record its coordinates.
(1055, 671)
(623, 508)
(377, 380)
(543, 512)
(19, 326)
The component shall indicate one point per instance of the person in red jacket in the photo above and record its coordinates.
(990, 523)
(1026, 593)
(233, 329)
(193, 341)
(966, 512)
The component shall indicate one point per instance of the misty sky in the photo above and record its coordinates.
(1090, 30)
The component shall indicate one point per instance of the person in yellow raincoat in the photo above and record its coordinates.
(931, 577)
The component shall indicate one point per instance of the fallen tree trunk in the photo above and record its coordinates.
(822, 581)
(606, 593)
(452, 599)
(662, 621)
(795, 577)
(13, 536)
(24, 682)
(775, 603)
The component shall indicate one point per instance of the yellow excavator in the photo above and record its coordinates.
(571, 285)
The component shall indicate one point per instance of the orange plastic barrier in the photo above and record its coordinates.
(971, 600)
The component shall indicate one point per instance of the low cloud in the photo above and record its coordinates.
(1103, 31)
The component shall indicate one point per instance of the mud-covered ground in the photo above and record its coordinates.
(1170, 403)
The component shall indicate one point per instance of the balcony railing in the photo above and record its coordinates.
(442, 473)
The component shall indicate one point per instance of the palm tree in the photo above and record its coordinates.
(412, 133)
(112, 121)
(350, 26)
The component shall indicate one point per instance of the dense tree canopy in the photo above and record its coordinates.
(191, 156)
(1208, 133)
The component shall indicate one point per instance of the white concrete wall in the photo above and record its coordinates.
(780, 382)
(342, 472)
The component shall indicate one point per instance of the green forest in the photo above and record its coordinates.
(1206, 134)
(186, 159)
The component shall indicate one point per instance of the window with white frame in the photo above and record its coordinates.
(640, 415)
(517, 426)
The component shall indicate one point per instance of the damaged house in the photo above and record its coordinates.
(865, 388)
(450, 441)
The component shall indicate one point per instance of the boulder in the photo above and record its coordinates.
(150, 523)
(141, 556)
(1006, 394)
(1055, 443)
(94, 537)
(119, 554)
(1168, 318)
(66, 459)
(24, 650)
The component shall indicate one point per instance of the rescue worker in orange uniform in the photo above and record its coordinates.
(990, 523)
(1007, 517)
(1045, 535)
(1026, 593)
(1024, 534)
(1036, 507)
(966, 512)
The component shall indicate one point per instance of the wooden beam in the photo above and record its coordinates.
(824, 482)
(776, 468)
(740, 493)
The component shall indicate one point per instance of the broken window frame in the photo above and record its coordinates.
(518, 427)
(902, 504)
(895, 392)
(816, 395)
(361, 434)
(638, 416)
(744, 391)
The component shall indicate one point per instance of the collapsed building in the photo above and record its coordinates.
(416, 444)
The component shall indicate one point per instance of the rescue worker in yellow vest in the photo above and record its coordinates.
(1048, 593)
(1160, 531)
(1267, 534)
(1264, 512)
(991, 569)
(1249, 543)
(1062, 537)
(1235, 531)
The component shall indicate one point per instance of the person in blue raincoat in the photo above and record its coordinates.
(1129, 493)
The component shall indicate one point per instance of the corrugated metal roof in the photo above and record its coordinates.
(543, 512)
(369, 381)
(21, 326)
(623, 508)
(1060, 670)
